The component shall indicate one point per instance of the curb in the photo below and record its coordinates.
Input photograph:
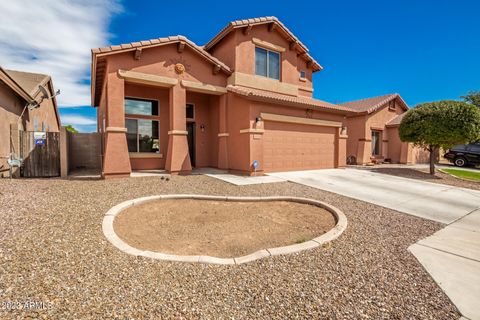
(335, 232)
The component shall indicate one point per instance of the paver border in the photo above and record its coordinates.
(332, 234)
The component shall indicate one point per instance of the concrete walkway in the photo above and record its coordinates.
(432, 201)
(452, 255)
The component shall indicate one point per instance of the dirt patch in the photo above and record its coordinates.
(219, 228)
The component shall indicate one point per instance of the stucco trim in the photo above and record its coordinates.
(178, 132)
(252, 131)
(145, 78)
(298, 120)
(267, 45)
(304, 88)
(203, 87)
(115, 129)
(258, 82)
(145, 155)
(223, 135)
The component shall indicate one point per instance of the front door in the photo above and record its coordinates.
(191, 141)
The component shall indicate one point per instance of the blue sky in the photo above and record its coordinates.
(424, 50)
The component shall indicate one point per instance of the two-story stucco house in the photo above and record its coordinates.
(243, 98)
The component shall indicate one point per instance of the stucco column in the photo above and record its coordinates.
(341, 148)
(222, 133)
(116, 161)
(178, 158)
(256, 146)
(364, 151)
(63, 152)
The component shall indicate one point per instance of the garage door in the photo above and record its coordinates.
(289, 146)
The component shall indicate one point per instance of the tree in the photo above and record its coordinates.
(71, 129)
(473, 97)
(440, 124)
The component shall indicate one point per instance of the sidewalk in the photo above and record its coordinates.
(452, 257)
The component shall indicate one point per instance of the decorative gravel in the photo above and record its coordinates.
(53, 251)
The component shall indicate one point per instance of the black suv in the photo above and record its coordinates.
(464, 154)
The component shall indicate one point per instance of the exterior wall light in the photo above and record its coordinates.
(202, 127)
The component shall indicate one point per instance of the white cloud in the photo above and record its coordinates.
(74, 120)
(55, 37)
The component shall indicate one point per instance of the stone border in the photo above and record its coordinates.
(335, 232)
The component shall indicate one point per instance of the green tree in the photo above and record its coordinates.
(71, 129)
(440, 124)
(473, 97)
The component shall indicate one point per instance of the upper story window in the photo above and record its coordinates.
(141, 107)
(302, 74)
(267, 63)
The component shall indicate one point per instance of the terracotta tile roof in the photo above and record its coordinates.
(266, 96)
(370, 105)
(396, 121)
(303, 50)
(28, 81)
(159, 42)
(97, 77)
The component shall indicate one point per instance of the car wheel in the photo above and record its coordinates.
(460, 162)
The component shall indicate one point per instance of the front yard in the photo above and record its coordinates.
(53, 251)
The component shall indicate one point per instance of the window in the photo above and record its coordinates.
(190, 111)
(141, 107)
(391, 105)
(43, 126)
(142, 135)
(376, 143)
(35, 123)
(474, 148)
(267, 63)
(302, 74)
(142, 132)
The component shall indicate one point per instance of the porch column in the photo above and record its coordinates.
(364, 151)
(178, 158)
(116, 161)
(222, 133)
(341, 148)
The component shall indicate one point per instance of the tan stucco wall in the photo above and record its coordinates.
(237, 50)
(10, 109)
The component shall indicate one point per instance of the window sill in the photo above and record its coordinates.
(145, 155)
(303, 79)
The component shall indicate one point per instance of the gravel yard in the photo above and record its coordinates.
(53, 251)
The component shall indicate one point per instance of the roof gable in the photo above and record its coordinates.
(98, 67)
(277, 25)
(370, 105)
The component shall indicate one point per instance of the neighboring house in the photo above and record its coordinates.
(243, 98)
(373, 132)
(18, 90)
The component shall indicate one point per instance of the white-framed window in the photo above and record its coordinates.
(143, 126)
(267, 63)
(303, 75)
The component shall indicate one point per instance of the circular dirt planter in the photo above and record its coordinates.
(333, 233)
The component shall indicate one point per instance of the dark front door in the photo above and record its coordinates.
(191, 141)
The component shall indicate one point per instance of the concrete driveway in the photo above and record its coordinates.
(452, 255)
(432, 201)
